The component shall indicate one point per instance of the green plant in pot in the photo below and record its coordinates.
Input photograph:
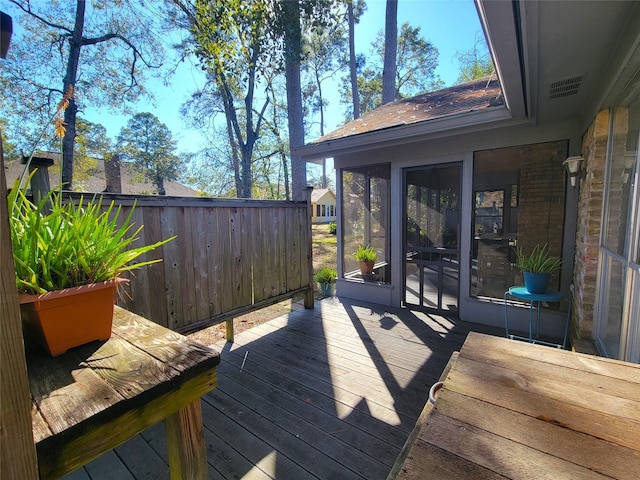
(326, 277)
(66, 253)
(537, 267)
(366, 257)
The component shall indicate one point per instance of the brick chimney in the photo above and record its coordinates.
(112, 174)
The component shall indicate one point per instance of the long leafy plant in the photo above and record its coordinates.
(365, 254)
(538, 260)
(58, 245)
(326, 276)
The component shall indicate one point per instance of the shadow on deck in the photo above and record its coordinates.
(327, 393)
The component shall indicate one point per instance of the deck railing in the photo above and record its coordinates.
(230, 256)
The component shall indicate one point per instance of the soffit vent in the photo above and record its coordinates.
(565, 88)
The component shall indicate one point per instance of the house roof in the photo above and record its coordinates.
(441, 110)
(318, 193)
(464, 98)
(132, 181)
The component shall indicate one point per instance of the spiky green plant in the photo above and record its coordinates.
(326, 276)
(538, 261)
(365, 254)
(58, 245)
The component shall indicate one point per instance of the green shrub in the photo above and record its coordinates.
(333, 228)
(326, 276)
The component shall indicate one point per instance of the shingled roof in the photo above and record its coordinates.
(464, 98)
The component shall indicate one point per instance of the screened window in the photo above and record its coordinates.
(365, 219)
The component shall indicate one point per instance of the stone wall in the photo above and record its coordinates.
(594, 150)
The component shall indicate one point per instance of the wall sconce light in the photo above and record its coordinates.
(572, 164)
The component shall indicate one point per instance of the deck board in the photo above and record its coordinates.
(332, 392)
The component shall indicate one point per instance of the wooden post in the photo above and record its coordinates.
(17, 448)
(229, 324)
(185, 444)
(40, 184)
(308, 298)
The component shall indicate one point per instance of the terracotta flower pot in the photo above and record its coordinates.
(366, 268)
(63, 319)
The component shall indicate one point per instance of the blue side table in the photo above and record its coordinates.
(535, 300)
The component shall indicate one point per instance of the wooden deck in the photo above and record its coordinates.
(332, 392)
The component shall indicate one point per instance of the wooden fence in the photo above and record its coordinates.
(231, 256)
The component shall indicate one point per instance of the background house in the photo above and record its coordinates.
(323, 203)
(114, 177)
(446, 185)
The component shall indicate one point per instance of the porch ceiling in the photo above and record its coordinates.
(562, 60)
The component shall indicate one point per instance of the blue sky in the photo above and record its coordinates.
(450, 25)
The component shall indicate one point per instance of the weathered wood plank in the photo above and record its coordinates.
(17, 450)
(485, 348)
(238, 452)
(226, 259)
(283, 251)
(428, 462)
(580, 409)
(259, 256)
(140, 299)
(496, 453)
(141, 460)
(606, 458)
(187, 260)
(171, 348)
(211, 244)
(200, 249)
(173, 267)
(156, 272)
(185, 443)
(109, 467)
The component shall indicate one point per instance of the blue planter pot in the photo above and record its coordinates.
(327, 289)
(536, 282)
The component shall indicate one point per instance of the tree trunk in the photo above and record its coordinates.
(390, 50)
(68, 141)
(355, 96)
(321, 101)
(245, 173)
(294, 100)
(160, 184)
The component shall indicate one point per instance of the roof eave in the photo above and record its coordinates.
(430, 129)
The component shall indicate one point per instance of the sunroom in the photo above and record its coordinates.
(448, 185)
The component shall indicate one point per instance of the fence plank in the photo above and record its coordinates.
(155, 273)
(201, 247)
(173, 266)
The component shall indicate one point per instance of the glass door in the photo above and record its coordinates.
(432, 238)
(617, 314)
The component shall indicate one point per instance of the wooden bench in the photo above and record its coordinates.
(509, 409)
(95, 397)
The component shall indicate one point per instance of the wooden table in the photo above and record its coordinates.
(509, 409)
(95, 397)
